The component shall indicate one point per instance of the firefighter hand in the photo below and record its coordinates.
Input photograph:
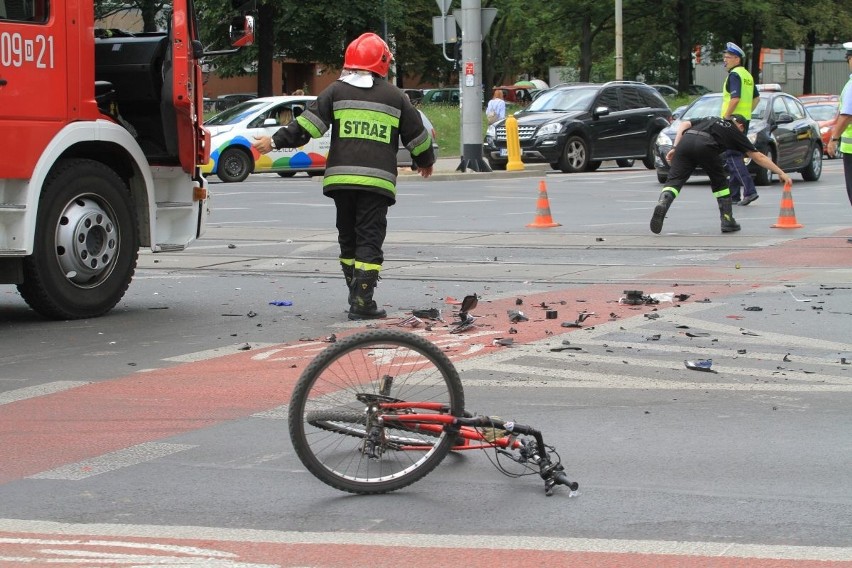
(425, 172)
(786, 179)
(263, 144)
(670, 155)
(831, 149)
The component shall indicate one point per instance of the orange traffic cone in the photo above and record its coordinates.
(543, 219)
(787, 216)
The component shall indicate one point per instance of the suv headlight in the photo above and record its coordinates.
(664, 139)
(491, 132)
(549, 129)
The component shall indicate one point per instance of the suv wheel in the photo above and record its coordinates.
(763, 176)
(575, 156)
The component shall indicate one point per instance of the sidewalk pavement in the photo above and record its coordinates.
(447, 169)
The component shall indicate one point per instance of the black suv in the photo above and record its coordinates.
(576, 126)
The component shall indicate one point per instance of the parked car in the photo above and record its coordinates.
(233, 130)
(574, 127)
(779, 127)
(514, 94)
(825, 113)
(697, 90)
(820, 99)
(414, 95)
(445, 95)
(666, 90)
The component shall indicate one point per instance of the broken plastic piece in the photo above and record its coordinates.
(516, 315)
(410, 321)
(462, 326)
(504, 341)
(281, 303)
(700, 365)
(754, 309)
(431, 313)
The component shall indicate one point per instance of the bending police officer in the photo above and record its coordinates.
(698, 144)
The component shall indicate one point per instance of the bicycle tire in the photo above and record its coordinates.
(385, 363)
(354, 424)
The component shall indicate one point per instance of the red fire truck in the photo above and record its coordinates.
(100, 141)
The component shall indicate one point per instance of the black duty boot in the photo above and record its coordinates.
(663, 204)
(349, 275)
(726, 214)
(364, 307)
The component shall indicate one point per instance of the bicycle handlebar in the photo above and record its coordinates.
(562, 479)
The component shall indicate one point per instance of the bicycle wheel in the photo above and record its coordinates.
(333, 431)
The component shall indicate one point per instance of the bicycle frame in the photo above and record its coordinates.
(473, 438)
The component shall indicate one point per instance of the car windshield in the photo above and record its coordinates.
(822, 112)
(564, 99)
(235, 114)
(759, 112)
(705, 106)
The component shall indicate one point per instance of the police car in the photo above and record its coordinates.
(232, 131)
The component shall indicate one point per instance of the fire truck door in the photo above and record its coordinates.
(34, 59)
(185, 84)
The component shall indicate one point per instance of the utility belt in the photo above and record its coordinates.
(699, 133)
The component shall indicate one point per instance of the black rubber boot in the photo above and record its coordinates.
(663, 204)
(364, 307)
(726, 214)
(349, 275)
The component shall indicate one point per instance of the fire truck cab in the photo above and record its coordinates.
(99, 153)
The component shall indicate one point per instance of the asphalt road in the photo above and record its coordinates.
(155, 435)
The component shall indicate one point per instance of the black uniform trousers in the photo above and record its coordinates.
(697, 149)
(361, 225)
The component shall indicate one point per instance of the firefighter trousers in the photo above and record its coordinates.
(361, 226)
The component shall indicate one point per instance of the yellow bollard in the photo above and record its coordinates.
(513, 145)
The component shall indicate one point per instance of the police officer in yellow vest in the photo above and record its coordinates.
(841, 136)
(739, 96)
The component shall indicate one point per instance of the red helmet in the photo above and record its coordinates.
(370, 53)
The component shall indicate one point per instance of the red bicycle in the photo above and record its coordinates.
(380, 409)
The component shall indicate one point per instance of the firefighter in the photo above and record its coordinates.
(698, 144)
(367, 117)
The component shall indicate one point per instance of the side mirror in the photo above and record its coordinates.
(600, 111)
(242, 31)
(784, 118)
(270, 122)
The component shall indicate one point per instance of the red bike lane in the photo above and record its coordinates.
(46, 432)
(113, 546)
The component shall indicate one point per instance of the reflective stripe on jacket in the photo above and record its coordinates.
(366, 127)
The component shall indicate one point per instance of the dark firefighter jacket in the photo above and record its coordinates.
(366, 126)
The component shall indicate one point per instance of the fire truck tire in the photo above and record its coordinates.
(234, 165)
(86, 245)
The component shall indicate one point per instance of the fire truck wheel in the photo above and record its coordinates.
(86, 243)
(234, 165)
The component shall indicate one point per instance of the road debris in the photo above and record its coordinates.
(700, 365)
